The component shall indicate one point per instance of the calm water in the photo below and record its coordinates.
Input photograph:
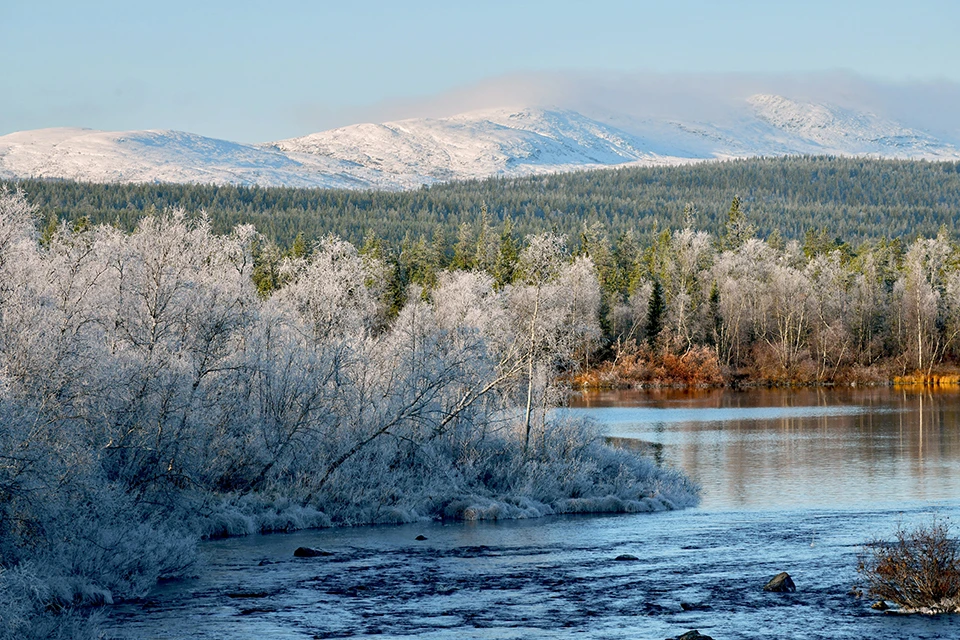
(810, 448)
(793, 481)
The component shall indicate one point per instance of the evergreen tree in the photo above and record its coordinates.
(655, 314)
(299, 247)
(737, 229)
(463, 250)
(507, 256)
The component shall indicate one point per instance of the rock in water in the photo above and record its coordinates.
(310, 552)
(880, 605)
(626, 557)
(692, 635)
(781, 583)
(421, 537)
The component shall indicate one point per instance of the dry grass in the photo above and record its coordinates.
(919, 571)
(927, 380)
(644, 366)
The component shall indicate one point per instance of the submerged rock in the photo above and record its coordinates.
(421, 537)
(310, 552)
(692, 635)
(248, 594)
(781, 583)
(626, 557)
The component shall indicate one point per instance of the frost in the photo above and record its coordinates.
(150, 397)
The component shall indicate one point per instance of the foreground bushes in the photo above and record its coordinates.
(149, 397)
(919, 571)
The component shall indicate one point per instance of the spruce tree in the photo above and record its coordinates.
(655, 313)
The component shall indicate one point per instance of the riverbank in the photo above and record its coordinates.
(567, 469)
(793, 480)
(700, 368)
(558, 578)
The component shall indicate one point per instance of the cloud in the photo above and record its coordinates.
(623, 97)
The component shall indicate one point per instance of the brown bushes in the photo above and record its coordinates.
(919, 571)
(644, 366)
(920, 379)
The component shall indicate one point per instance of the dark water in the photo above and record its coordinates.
(793, 481)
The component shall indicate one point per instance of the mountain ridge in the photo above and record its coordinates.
(505, 142)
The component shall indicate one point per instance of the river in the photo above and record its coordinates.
(792, 481)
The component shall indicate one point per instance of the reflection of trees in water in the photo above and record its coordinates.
(645, 447)
(904, 445)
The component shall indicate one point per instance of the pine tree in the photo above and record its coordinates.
(655, 313)
(299, 247)
(507, 256)
(463, 255)
(738, 229)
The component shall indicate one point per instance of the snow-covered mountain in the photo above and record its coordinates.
(838, 131)
(478, 145)
(165, 156)
(500, 142)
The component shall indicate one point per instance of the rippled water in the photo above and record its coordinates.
(793, 481)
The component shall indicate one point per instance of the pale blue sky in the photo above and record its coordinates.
(254, 71)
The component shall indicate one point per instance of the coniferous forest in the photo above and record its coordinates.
(854, 199)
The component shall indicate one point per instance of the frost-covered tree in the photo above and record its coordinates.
(921, 290)
(687, 287)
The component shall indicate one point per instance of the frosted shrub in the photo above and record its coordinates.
(25, 610)
(150, 397)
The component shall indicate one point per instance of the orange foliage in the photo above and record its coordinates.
(697, 367)
(927, 380)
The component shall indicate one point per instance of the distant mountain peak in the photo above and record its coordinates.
(477, 144)
(844, 131)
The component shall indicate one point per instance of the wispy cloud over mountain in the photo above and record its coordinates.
(522, 125)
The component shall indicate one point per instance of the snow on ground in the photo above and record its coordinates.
(497, 142)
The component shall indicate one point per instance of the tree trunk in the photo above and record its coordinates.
(533, 342)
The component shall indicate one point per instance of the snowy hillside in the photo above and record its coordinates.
(500, 142)
(164, 156)
(478, 145)
(838, 131)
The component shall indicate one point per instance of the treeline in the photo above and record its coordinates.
(690, 307)
(856, 199)
(697, 308)
(150, 395)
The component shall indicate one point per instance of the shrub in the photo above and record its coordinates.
(696, 367)
(919, 571)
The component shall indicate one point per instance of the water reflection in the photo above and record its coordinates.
(807, 448)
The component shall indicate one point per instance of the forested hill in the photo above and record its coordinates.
(853, 199)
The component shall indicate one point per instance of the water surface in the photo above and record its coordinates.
(793, 481)
(811, 448)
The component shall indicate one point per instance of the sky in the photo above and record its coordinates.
(257, 71)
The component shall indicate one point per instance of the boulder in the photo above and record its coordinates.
(626, 557)
(310, 552)
(421, 537)
(692, 635)
(781, 583)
